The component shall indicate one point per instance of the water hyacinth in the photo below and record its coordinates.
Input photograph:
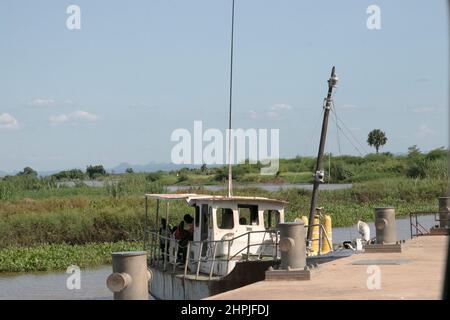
(50, 257)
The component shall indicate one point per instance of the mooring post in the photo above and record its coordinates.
(130, 277)
(293, 253)
(386, 232)
(292, 245)
(444, 212)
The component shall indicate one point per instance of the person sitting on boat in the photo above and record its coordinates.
(180, 236)
(189, 223)
(184, 234)
(180, 232)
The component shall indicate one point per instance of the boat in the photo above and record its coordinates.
(233, 240)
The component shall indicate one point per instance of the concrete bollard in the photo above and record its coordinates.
(292, 245)
(444, 212)
(385, 226)
(130, 277)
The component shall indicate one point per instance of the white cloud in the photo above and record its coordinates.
(73, 117)
(69, 102)
(425, 131)
(280, 107)
(50, 103)
(273, 114)
(139, 106)
(8, 122)
(253, 114)
(42, 103)
(424, 110)
(422, 79)
(276, 109)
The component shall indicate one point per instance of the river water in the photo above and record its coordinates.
(266, 186)
(52, 285)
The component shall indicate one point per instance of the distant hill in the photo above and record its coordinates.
(48, 173)
(151, 167)
(40, 173)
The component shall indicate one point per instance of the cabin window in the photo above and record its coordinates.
(225, 218)
(209, 218)
(271, 218)
(197, 216)
(248, 215)
(205, 222)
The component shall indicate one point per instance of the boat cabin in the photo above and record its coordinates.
(225, 230)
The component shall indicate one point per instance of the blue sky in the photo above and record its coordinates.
(115, 90)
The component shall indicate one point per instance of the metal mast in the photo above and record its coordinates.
(319, 173)
(230, 171)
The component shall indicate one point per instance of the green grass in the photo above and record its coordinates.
(53, 233)
(71, 220)
(39, 220)
(84, 219)
(349, 205)
(297, 177)
(52, 257)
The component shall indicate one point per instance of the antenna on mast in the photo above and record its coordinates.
(230, 171)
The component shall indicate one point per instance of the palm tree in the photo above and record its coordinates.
(377, 139)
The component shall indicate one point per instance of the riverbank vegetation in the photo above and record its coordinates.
(51, 257)
(40, 217)
(339, 169)
(82, 218)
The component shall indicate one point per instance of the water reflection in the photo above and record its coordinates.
(52, 286)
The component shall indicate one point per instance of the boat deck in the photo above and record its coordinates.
(416, 273)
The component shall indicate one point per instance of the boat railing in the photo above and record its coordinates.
(229, 257)
(166, 257)
(159, 255)
(416, 228)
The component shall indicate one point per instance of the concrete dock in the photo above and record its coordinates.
(416, 273)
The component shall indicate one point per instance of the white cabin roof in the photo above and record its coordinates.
(193, 197)
(169, 196)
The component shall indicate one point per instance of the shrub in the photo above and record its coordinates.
(74, 174)
(154, 176)
(437, 154)
(27, 171)
(182, 177)
(339, 172)
(95, 171)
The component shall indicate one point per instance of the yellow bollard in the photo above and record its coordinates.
(305, 220)
(326, 245)
(315, 236)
